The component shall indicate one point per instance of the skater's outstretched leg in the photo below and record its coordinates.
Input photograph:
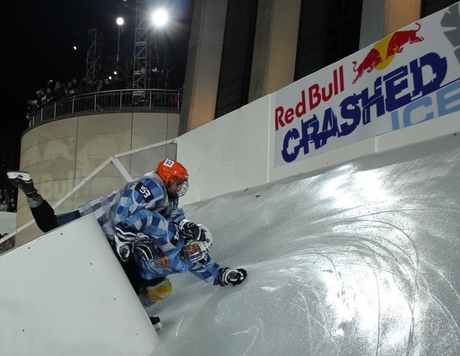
(44, 216)
(24, 182)
(42, 212)
(156, 322)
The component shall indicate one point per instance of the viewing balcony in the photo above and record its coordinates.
(114, 100)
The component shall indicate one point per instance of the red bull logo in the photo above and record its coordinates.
(372, 60)
(165, 261)
(385, 50)
(161, 261)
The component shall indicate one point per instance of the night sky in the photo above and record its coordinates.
(38, 40)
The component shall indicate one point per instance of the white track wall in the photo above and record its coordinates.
(66, 294)
(227, 154)
(225, 166)
(7, 222)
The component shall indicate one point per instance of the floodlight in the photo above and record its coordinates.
(160, 17)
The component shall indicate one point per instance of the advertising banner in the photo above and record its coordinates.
(408, 77)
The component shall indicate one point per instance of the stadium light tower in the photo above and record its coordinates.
(157, 53)
(120, 22)
(142, 56)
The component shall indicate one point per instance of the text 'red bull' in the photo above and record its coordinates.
(316, 95)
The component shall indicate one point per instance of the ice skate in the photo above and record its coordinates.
(156, 322)
(23, 181)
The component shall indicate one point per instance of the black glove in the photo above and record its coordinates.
(232, 277)
(147, 249)
(123, 242)
(190, 230)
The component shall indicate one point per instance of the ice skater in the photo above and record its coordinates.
(148, 232)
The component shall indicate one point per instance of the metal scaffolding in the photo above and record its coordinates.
(141, 67)
(94, 54)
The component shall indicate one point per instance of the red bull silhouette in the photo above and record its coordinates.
(392, 44)
(400, 38)
(372, 59)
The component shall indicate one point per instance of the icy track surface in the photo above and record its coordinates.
(362, 259)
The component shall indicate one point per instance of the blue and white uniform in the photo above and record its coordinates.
(143, 205)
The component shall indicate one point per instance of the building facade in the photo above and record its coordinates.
(242, 50)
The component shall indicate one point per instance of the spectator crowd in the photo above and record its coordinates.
(7, 200)
(57, 90)
(8, 244)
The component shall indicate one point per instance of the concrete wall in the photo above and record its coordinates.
(203, 63)
(275, 46)
(382, 17)
(400, 13)
(61, 153)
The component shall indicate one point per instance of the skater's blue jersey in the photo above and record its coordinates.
(144, 206)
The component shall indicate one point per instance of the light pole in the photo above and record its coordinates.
(120, 23)
(159, 20)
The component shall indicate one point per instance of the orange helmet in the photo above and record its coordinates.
(170, 170)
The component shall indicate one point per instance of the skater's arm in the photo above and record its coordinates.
(211, 272)
(207, 270)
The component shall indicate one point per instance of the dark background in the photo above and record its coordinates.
(37, 45)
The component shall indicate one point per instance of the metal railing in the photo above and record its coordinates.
(127, 99)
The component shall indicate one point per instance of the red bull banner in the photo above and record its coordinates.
(409, 77)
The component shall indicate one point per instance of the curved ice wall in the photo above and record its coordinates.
(360, 260)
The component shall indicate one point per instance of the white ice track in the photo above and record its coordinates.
(362, 259)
